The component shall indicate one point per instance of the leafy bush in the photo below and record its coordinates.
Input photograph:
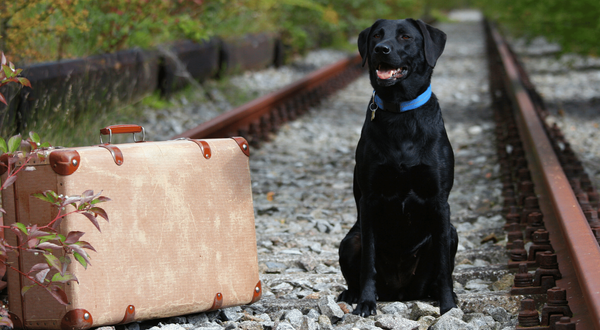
(48, 30)
(572, 23)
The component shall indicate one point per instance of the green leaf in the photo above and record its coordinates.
(53, 262)
(21, 226)
(34, 137)
(46, 238)
(43, 197)
(7, 71)
(64, 278)
(14, 143)
(80, 259)
(45, 145)
(3, 146)
(26, 288)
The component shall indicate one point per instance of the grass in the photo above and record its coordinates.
(83, 130)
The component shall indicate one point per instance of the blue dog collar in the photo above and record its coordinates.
(403, 106)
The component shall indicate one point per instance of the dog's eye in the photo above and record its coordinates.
(405, 37)
(377, 36)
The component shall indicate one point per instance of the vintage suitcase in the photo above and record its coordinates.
(181, 237)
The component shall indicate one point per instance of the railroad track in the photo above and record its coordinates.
(543, 177)
(539, 266)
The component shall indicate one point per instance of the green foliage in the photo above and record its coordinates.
(574, 24)
(45, 240)
(76, 28)
(8, 74)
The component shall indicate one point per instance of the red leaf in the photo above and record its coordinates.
(3, 61)
(86, 245)
(93, 219)
(48, 245)
(41, 276)
(2, 99)
(2, 210)
(38, 267)
(5, 321)
(59, 295)
(57, 223)
(100, 211)
(73, 237)
(9, 181)
(17, 231)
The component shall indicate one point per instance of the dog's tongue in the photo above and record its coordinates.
(385, 74)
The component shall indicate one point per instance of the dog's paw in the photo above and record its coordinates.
(448, 304)
(348, 297)
(365, 309)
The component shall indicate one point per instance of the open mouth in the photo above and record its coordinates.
(386, 72)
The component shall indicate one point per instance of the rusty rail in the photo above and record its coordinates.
(577, 250)
(254, 120)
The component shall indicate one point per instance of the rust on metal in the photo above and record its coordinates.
(248, 116)
(571, 236)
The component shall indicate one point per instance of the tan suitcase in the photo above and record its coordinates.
(181, 237)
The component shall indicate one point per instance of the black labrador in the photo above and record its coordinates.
(403, 245)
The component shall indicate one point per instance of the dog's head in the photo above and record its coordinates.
(401, 52)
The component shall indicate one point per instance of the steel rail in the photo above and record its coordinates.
(577, 249)
(254, 114)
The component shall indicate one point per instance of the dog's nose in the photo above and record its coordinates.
(382, 48)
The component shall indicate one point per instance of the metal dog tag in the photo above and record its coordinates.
(373, 107)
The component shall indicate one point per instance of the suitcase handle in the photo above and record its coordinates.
(122, 129)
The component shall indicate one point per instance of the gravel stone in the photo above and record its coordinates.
(231, 314)
(295, 318)
(395, 322)
(421, 309)
(325, 323)
(309, 323)
(451, 320)
(398, 308)
(330, 308)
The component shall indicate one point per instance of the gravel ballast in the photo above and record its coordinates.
(302, 190)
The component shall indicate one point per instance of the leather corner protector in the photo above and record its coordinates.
(115, 152)
(218, 302)
(204, 147)
(64, 162)
(257, 292)
(129, 315)
(17, 323)
(76, 319)
(243, 145)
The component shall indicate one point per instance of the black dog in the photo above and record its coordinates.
(403, 245)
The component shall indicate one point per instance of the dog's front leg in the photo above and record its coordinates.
(368, 296)
(446, 249)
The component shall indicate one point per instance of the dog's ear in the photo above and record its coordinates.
(363, 44)
(434, 41)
